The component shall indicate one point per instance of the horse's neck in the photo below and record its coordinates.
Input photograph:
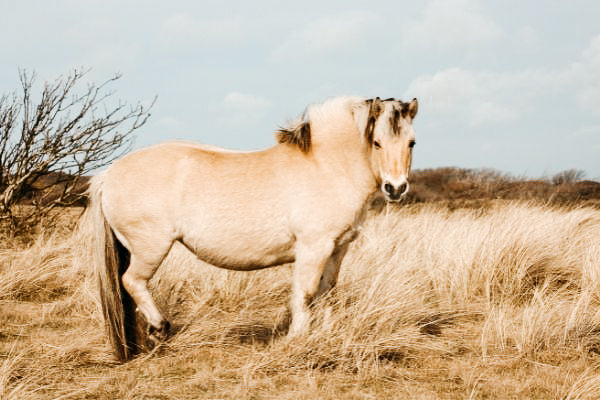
(344, 153)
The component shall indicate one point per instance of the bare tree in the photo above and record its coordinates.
(49, 142)
(568, 176)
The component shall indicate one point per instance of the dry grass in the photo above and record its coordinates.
(494, 303)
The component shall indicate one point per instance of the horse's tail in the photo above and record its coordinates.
(110, 260)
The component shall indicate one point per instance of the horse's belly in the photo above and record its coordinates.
(241, 251)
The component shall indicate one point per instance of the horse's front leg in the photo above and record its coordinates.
(311, 260)
(332, 269)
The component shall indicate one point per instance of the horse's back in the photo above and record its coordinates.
(167, 170)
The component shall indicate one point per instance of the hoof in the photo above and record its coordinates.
(160, 334)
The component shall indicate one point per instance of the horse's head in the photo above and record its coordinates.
(388, 131)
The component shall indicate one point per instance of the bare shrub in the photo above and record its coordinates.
(48, 143)
(568, 176)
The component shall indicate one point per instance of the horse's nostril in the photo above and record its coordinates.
(395, 192)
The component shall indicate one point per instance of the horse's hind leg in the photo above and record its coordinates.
(135, 280)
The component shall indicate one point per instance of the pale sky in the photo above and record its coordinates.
(512, 85)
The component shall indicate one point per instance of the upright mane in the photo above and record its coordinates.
(298, 132)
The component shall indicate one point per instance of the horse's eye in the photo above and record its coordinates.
(376, 144)
(411, 144)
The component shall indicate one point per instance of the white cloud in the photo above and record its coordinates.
(490, 112)
(244, 109)
(450, 24)
(339, 32)
(443, 90)
(478, 97)
(488, 97)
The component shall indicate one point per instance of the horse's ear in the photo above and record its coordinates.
(413, 107)
(365, 114)
(297, 135)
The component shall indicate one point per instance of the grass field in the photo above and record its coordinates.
(497, 302)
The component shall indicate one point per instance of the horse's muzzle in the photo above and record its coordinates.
(394, 193)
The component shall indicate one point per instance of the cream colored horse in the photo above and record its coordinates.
(300, 201)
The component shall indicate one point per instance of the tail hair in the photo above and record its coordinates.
(110, 260)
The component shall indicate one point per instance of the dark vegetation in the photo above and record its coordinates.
(49, 188)
(468, 188)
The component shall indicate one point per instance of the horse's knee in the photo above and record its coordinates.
(130, 284)
(133, 283)
(136, 277)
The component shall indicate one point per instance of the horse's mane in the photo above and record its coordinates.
(298, 132)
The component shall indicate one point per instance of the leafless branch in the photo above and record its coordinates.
(48, 145)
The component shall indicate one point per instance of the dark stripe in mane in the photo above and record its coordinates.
(296, 135)
(375, 109)
(402, 111)
(405, 107)
(394, 121)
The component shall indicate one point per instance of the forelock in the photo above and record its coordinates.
(398, 111)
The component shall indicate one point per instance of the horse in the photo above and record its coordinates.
(300, 201)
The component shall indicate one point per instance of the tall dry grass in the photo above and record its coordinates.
(431, 303)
